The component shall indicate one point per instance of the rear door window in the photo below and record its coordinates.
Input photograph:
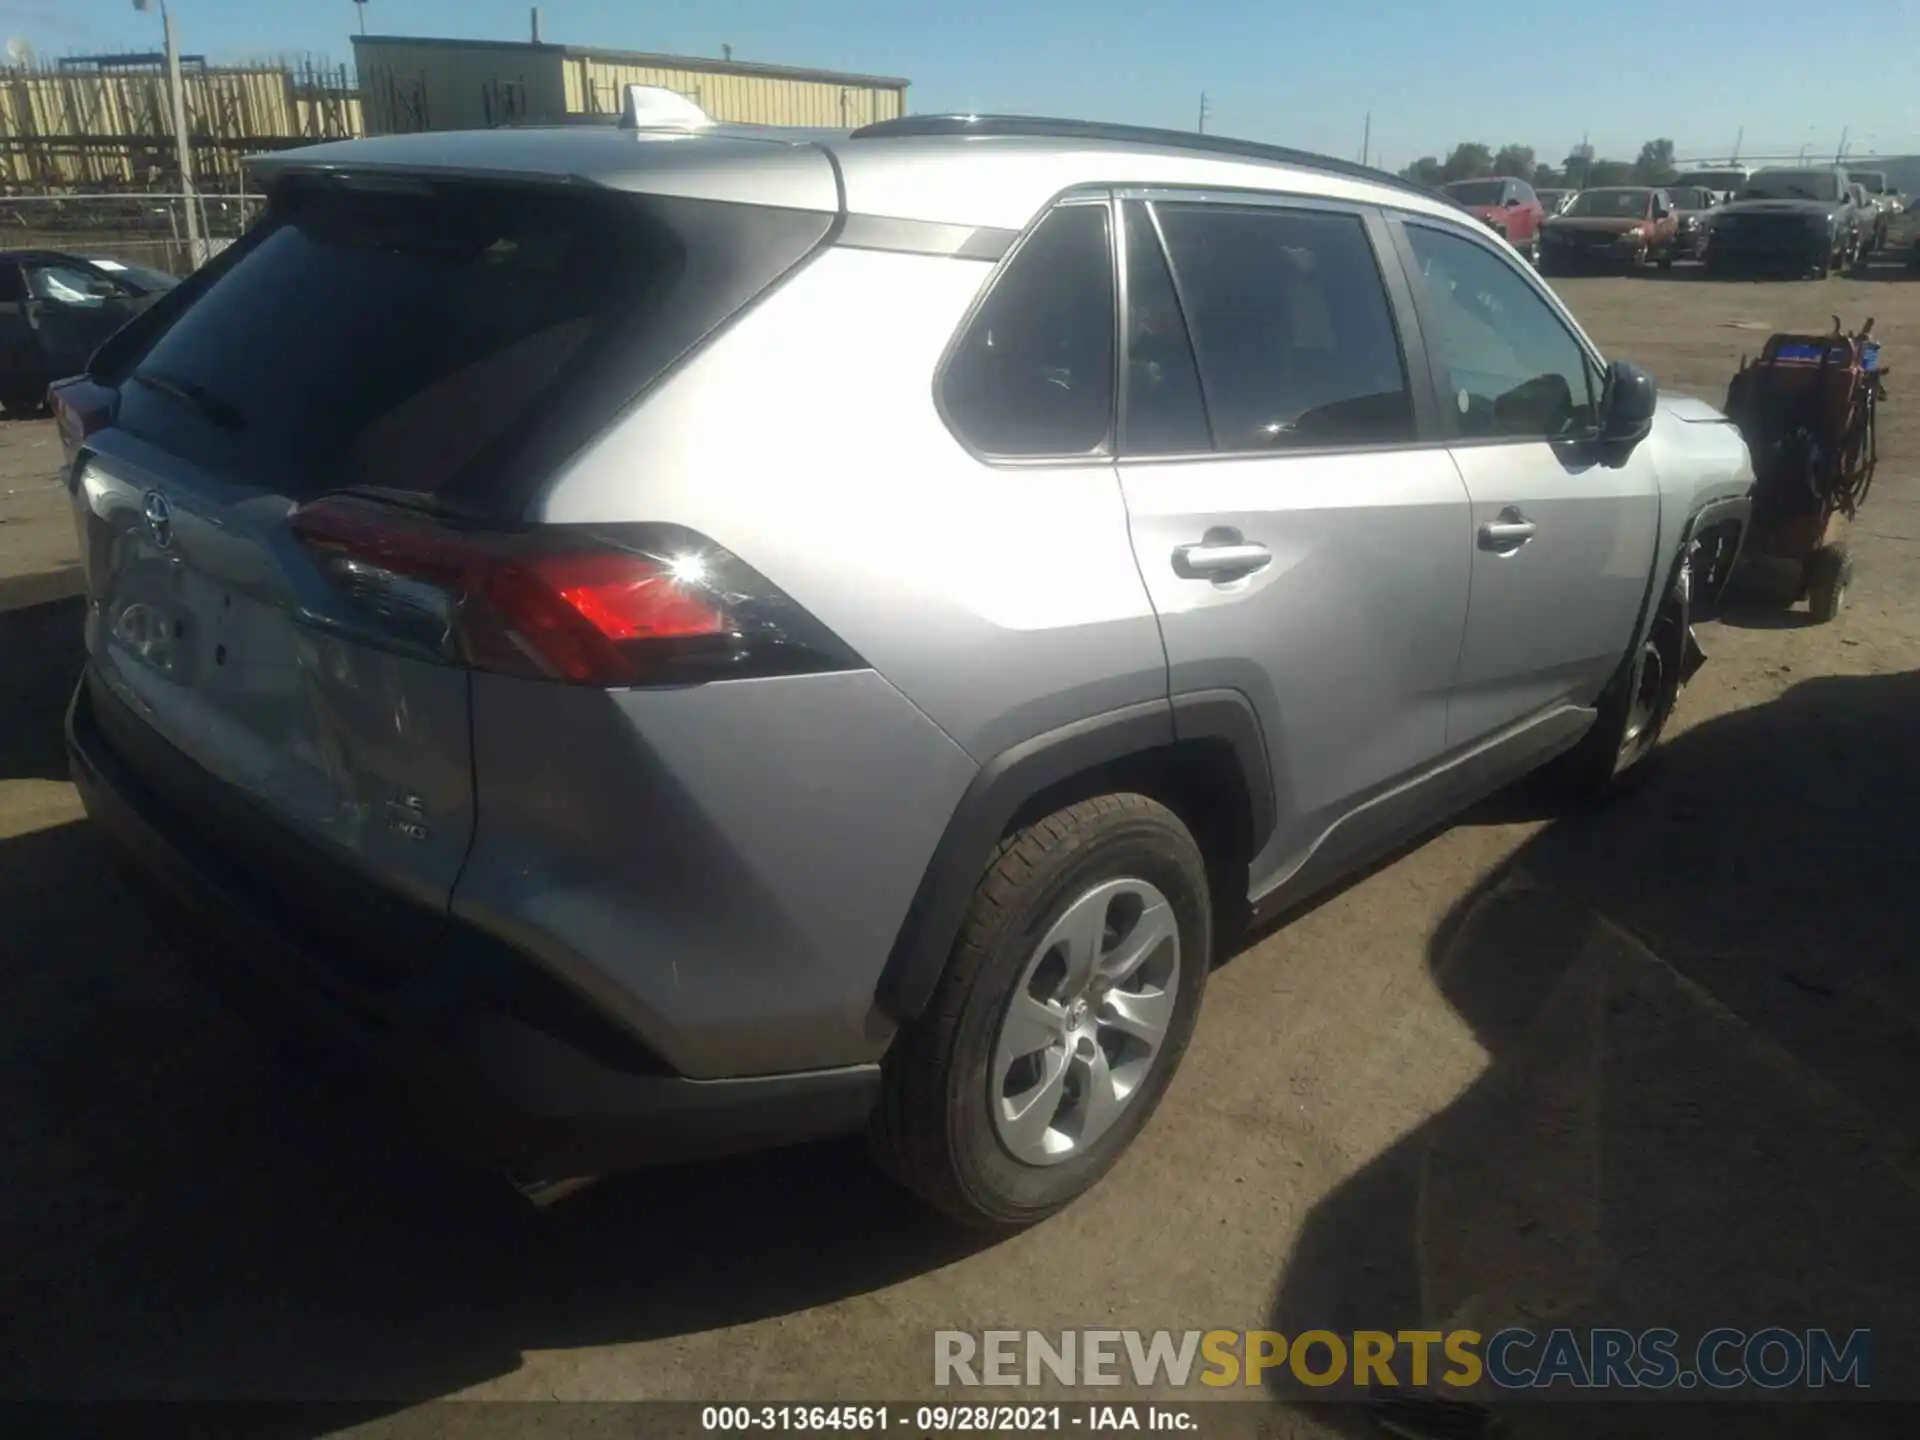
(442, 338)
(1292, 326)
(1032, 375)
(1165, 413)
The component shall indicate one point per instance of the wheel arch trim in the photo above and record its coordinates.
(1015, 776)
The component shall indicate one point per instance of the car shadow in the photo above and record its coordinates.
(43, 650)
(202, 1204)
(1890, 267)
(1690, 271)
(1756, 610)
(1701, 1019)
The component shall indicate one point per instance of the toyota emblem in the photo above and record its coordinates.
(159, 519)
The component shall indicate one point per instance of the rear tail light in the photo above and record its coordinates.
(80, 406)
(593, 605)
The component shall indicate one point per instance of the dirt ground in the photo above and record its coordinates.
(1650, 1067)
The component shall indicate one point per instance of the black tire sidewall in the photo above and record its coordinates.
(1144, 848)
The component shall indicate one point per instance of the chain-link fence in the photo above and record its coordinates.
(147, 230)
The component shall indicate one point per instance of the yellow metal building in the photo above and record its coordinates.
(106, 128)
(410, 83)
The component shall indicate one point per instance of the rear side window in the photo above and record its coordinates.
(1291, 323)
(455, 339)
(1032, 376)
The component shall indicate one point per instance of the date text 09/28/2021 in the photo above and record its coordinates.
(945, 1419)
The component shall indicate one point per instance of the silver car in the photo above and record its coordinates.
(686, 638)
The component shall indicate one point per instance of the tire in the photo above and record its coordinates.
(1829, 576)
(1635, 708)
(946, 1127)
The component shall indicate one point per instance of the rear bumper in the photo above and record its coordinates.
(502, 1067)
(1583, 256)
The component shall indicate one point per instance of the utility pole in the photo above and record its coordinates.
(1738, 139)
(1366, 139)
(1840, 155)
(1203, 112)
(360, 12)
(183, 142)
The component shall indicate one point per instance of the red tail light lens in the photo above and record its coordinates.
(624, 605)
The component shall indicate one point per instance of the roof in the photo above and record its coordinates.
(698, 63)
(942, 170)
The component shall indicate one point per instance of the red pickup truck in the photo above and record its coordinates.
(1508, 206)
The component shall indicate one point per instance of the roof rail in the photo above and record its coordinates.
(1044, 127)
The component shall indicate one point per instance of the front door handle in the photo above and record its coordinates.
(1220, 559)
(1508, 533)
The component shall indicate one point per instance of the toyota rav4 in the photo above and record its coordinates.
(686, 638)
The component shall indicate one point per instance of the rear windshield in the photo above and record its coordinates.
(1611, 204)
(1477, 192)
(1792, 185)
(446, 339)
(1714, 179)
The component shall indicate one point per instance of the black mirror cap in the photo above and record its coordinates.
(1627, 411)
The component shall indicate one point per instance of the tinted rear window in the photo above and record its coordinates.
(451, 339)
(1478, 192)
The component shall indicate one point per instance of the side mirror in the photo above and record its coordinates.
(103, 289)
(1626, 411)
(1512, 202)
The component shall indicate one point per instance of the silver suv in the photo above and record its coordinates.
(688, 638)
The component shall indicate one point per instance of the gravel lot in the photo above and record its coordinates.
(1651, 1067)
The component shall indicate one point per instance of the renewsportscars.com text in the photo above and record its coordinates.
(1774, 1358)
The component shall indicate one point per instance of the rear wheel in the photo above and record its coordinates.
(1829, 577)
(1064, 1010)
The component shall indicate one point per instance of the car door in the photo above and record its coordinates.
(19, 343)
(1524, 214)
(1561, 543)
(1302, 531)
(75, 308)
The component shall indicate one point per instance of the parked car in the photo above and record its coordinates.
(1613, 226)
(1552, 202)
(1693, 207)
(54, 309)
(140, 278)
(1798, 221)
(1877, 205)
(1508, 207)
(676, 656)
(1723, 182)
(1867, 214)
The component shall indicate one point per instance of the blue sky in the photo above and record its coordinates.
(1306, 75)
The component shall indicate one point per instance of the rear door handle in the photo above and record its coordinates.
(1507, 533)
(1219, 561)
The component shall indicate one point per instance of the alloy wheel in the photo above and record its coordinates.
(1645, 714)
(1086, 1022)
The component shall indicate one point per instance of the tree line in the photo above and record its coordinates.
(1470, 160)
